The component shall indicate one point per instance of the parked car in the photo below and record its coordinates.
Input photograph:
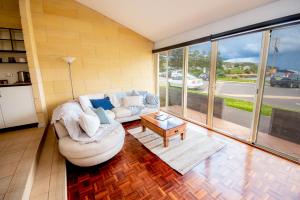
(204, 76)
(192, 82)
(290, 81)
(162, 74)
(175, 73)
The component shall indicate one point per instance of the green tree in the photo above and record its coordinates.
(176, 59)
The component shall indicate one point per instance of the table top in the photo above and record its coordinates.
(167, 124)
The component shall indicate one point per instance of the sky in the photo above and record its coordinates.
(246, 48)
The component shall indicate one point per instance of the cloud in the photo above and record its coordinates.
(239, 60)
(243, 46)
(288, 39)
(246, 48)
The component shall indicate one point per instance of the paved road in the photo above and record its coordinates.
(288, 98)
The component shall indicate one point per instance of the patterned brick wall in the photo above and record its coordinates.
(109, 56)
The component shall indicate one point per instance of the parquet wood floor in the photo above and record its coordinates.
(238, 171)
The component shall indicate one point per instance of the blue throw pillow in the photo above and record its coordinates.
(104, 118)
(103, 103)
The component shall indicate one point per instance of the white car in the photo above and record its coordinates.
(192, 82)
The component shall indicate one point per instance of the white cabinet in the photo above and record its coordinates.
(17, 106)
(2, 125)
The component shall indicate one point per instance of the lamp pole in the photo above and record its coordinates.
(69, 60)
(70, 75)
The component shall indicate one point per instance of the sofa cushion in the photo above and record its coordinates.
(147, 110)
(133, 101)
(152, 106)
(122, 112)
(85, 102)
(103, 103)
(110, 114)
(72, 149)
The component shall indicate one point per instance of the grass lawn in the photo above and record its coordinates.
(266, 110)
(236, 80)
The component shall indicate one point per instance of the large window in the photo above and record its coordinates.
(198, 82)
(175, 81)
(279, 125)
(162, 74)
(236, 75)
(246, 86)
(171, 80)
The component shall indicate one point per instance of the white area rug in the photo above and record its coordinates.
(181, 155)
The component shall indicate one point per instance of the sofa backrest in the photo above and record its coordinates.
(85, 102)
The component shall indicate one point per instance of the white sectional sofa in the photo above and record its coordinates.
(120, 113)
(92, 153)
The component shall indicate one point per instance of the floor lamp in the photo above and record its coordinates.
(69, 60)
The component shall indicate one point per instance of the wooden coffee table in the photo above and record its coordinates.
(166, 128)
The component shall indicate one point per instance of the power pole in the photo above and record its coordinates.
(276, 51)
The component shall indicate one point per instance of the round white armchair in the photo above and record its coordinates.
(89, 154)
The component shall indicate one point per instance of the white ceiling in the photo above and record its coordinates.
(160, 19)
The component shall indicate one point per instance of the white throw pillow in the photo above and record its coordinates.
(114, 100)
(133, 101)
(89, 123)
(85, 102)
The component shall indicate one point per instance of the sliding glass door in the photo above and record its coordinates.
(175, 81)
(279, 123)
(162, 78)
(198, 81)
(253, 93)
(236, 76)
(171, 80)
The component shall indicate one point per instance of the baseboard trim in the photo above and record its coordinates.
(15, 128)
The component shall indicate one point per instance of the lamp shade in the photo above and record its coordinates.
(69, 59)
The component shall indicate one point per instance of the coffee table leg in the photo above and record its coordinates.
(182, 135)
(166, 142)
(143, 128)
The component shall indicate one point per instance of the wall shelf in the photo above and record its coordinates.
(13, 63)
(11, 40)
(12, 51)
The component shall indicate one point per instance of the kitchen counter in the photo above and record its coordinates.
(17, 105)
(14, 84)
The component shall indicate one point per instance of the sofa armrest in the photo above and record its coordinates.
(152, 99)
(60, 129)
(152, 106)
